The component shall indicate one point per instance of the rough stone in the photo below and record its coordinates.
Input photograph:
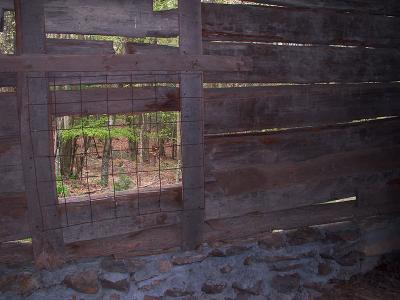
(188, 259)
(211, 287)
(349, 259)
(148, 297)
(226, 269)
(151, 285)
(86, 282)
(303, 236)
(273, 241)
(255, 289)
(115, 297)
(285, 267)
(324, 268)
(120, 265)
(235, 250)
(343, 235)
(252, 259)
(27, 283)
(286, 284)
(216, 253)
(115, 281)
(176, 292)
(165, 266)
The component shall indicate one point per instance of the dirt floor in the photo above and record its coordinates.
(383, 282)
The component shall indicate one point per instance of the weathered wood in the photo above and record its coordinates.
(245, 109)
(8, 79)
(9, 124)
(121, 18)
(115, 100)
(132, 62)
(36, 146)
(15, 253)
(251, 224)
(386, 7)
(143, 242)
(7, 4)
(69, 46)
(14, 219)
(139, 48)
(314, 64)
(192, 127)
(118, 226)
(294, 168)
(81, 210)
(303, 26)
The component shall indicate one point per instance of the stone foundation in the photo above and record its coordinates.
(295, 264)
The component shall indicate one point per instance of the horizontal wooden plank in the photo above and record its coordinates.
(129, 62)
(81, 210)
(144, 242)
(243, 109)
(8, 79)
(304, 26)
(314, 64)
(115, 100)
(387, 7)
(7, 4)
(293, 168)
(16, 253)
(121, 18)
(118, 226)
(70, 46)
(154, 49)
(251, 224)
(14, 219)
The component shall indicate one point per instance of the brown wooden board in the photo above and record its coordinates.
(303, 26)
(257, 108)
(132, 62)
(287, 169)
(144, 242)
(192, 127)
(70, 46)
(9, 124)
(385, 7)
(14, 219)
(292, 64)
(114, 100)
(36, 140)
(251, 224)
(15, 253)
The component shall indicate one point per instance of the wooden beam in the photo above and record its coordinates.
(131, 63)
(307, 64)
(192, 126)
(387, 7)
(230, 110)
(303, 26)
(305, 166)
(36, 141)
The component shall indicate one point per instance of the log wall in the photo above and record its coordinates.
(308, 118)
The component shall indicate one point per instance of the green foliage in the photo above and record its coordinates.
(97, 127)
(164, 4)
(123, 183)
(62, 189)
(7, 37)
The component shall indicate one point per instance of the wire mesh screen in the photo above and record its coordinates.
(115, 145)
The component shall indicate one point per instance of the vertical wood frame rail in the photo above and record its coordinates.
(36, 146)
(192, 127)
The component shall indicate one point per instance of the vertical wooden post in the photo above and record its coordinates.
(36, 139)
(192, 127)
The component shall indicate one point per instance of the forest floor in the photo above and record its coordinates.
(124, 174)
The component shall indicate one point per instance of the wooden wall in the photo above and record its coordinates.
(315, 120)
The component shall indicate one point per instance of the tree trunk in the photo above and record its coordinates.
(107, 152)
(144, 138)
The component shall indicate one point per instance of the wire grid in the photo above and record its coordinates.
(137, 201)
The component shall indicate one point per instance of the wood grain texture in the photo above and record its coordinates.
(120, 100)
(243, 109)
(385, 7)
(16, 253)
(251, 224)
(132, 62)
(294, 168)
(36, 145)
(192, 127)
(303, 26)
(292, 64)
(14, 218)
(70, 46)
